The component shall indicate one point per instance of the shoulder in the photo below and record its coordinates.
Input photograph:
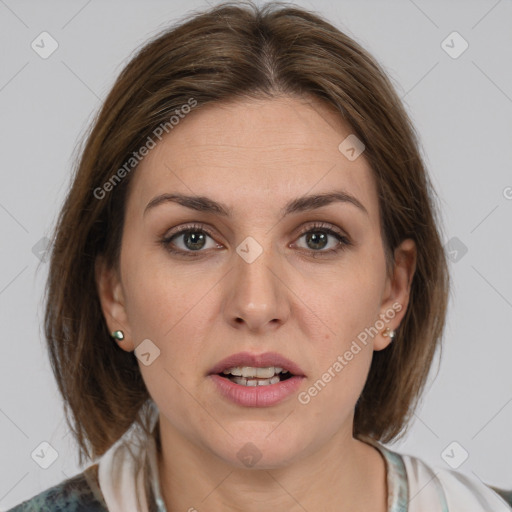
(80, 493)
(454, 491)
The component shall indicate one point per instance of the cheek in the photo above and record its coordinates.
(347, 300)
(343, 355)
(348, 304)
(170, 308)
(155, 294)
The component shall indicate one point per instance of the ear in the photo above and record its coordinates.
(110, 293)
(397, 290)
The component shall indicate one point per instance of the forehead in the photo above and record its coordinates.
(262, 151)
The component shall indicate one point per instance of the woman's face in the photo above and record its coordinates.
(260, 277)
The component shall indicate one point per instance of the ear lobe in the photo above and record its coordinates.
(398, 288)
(110, 293)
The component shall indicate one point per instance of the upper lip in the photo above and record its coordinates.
(257, 360)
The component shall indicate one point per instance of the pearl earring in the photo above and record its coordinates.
(389, 332)
(117, 335)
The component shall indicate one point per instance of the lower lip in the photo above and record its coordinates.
(256, 396)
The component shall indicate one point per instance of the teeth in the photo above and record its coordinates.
(250, 371)
(253, 382)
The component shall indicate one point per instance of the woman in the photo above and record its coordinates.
(247, 285)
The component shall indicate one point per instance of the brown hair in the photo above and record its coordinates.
(234, 51)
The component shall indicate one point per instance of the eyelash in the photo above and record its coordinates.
(319, 226)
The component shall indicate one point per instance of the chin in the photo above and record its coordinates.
(261, 450)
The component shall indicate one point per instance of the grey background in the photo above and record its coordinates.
(461, 107)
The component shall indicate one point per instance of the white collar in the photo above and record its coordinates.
(413, 485)
(123, 488)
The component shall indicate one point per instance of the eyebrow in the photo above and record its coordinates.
(300, 204)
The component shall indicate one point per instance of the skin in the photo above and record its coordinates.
(254, 156)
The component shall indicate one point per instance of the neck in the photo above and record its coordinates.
(345, 475)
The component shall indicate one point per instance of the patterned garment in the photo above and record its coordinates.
(80, 493)
(113, 485)
(414, 486)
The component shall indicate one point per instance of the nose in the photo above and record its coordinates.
(257, 298)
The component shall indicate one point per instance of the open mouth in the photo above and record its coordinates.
(252, 376)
